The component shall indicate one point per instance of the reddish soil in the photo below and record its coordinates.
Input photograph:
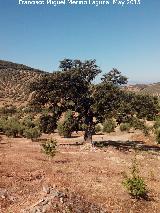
(95, 174)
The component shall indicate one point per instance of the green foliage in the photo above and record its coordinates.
(28, 122)
(66, 127)
(49, 147)
(3, 121)
(109, 126)
(157, 129)
(136, 123)
(98, 128)
(136, 187)
(157, 133)
(12, 127)
(48, 123)
(71, 88)
(8, 110)
(125, 127)
(157, 122)
(115, 77)
(145, 106)
(135, 184)
(32, 133)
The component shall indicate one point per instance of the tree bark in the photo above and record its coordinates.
(88, 136)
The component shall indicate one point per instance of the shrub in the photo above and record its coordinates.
(109, 126)
(137, 124)
(32, 133)
(47, 123)
(157, 133)
(82, 127)
(49, 147)
(135, 184)
(146, 130)
(156, 128)
(157, 122)
(3, 121)
(98, 128)
(28, 122)
(125, 127)
(12, 127)
(8, 110)
(66, 127)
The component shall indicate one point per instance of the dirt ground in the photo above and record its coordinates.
(95, 174)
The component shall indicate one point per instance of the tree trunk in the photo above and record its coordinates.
(88, 136)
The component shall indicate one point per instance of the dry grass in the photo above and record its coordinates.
(96, 175)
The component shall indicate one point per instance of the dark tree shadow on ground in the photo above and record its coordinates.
(127, 145)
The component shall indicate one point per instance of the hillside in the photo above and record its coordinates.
(15, 80)
(151, 89)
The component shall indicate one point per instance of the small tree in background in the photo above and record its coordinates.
(98, 128)
(109, 126)
(48, 123)
(66, 127)
(12, 127)
(157, 129)
(32, 133)
(125, 127)
(157, 133)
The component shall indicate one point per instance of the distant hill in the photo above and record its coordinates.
(151, 89)
(15, 80)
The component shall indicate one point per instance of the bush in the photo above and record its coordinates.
(98, 128)
(135, 184)
(109, 126)
(12, 127)
(32, 133)
(125, 127)
(66, 127)
(137, 124)
(136, 187)
(49, 147)
(3, 121)
(47, 123)
(8, 110)
(157, 123)
(28, 122)
(157, 133)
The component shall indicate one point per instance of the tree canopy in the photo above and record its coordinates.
(72, 88)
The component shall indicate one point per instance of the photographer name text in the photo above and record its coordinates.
(80, 2)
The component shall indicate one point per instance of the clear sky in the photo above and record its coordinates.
(127, 38)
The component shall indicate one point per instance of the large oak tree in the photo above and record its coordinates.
(72, 88)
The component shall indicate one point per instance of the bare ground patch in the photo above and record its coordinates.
(90, 178)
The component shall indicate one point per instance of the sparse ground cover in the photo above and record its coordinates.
(27, 174)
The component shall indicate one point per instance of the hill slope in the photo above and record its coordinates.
(15, 80)
(151, 89)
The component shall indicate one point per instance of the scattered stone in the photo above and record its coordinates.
(3, 193)
(57, 201)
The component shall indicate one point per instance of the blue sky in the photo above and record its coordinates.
(127, 38)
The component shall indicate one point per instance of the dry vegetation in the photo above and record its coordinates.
(15, 80)
(30, 180)
(148, 89)
(77, 178)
